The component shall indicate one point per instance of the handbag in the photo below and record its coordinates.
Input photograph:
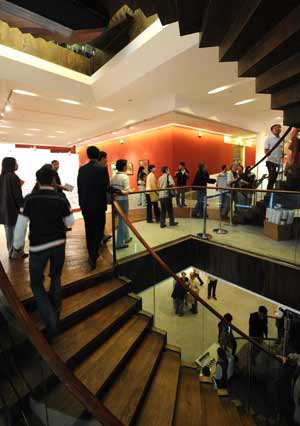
(154, 197)
(171, 192)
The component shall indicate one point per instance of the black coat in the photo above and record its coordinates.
(202, 178)
(11, 198)
(258, 327)
(93, 184)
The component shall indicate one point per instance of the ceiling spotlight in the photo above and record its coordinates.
(114, 133)
(276, 118)
(105, 109)
(4, 126)
(245, 101)
(35, 130)
(68, 101)
(24, 92)
(218, 90)
(3, 133)
(60, 131)
(28, 134)
(7, 108)
(131, 127)
(51, 136)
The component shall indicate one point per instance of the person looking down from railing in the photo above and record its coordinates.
(226, 338)
(258, 323)
(120, 182)
(165, 197)
(49, 215)
(274, 159)
(221, 369)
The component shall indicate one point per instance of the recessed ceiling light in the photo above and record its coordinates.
(3, 133)
(69, 101)
(28, 134)
(4, 126)
(114, 133)
(1, 114)
(131, 127)
(276, 118)
(60, 131)
(51, 136)
(7, 108)
(245, 101)
(105, 109)
(218, 90)
(24, 92)
(35, 130)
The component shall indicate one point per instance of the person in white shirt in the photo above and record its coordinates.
(165, 198)
(274, 159)
(120, 182)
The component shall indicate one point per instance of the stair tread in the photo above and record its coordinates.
(188, 405)
(132, 382)
(162, 393)
(231, 413)
(246, 419)
(97, 369)
(213, 412)
(77, 337)
(79, 301)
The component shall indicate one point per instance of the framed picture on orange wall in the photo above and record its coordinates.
(130, 168)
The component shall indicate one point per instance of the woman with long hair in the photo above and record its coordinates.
(11, 199)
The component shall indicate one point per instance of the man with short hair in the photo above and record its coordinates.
(226, 337)
(274, 159)
(258, 323)
(55, 166)
(92, 185)
(181, 177)
(49, 215)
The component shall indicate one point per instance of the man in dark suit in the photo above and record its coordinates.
(258, 323)
(92, 185)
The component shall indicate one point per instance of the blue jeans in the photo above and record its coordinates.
(199, 207)
(123, 231)
(49, 305)
(142, 196)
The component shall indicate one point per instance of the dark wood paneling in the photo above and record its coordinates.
(279, 76)
(284, 98)
(279, 43)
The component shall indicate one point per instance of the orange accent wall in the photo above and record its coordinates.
(169, 146)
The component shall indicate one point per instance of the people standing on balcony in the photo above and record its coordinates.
(120, 183)
(258, 323)
(103, 163)
(194, 286)
(274, 159)
(165, 197)
(179, 295)
(49, 215)
(141, 181)
(152, 197)
(92, 185)
(212, 287)
(11, 200)
(226, 338)
(201, 179)
(181, 177)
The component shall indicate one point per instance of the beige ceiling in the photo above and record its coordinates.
(143, 83)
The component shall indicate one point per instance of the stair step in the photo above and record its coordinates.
(87, 301)
(230, 412)
(101, 367)
(246, 419)
(162, 393)
(83, 337)
(272, 48)
(216, 22)
(286, 97)
(126, 394)
(188, 410)
(279, 76)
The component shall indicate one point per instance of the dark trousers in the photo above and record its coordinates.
(49, 305)
(195, 307)
(198, 210)
(180, 197)
(212, 288)
(149, 209)
(273, 170)
(94, 222)
(166, 207)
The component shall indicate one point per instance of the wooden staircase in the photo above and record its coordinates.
(110, 344)
(261, 35)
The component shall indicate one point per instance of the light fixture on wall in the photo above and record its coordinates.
(122, 141)
(8, 108)
(200, 134)
(245, 101)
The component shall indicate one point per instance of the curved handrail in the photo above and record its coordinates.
(177, 279)
(75, 386)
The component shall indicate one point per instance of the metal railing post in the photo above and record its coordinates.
(203, 234)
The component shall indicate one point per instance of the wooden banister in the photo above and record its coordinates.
(166, 267)
(73, 385)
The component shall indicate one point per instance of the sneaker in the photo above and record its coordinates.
(214, 297)
(174, 224)
(163, 226)
(149, 221)
(92, 264)
(128, 241)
